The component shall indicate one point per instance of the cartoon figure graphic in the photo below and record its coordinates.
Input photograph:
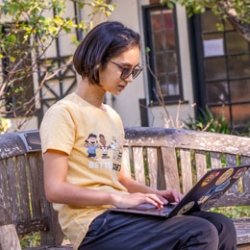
(92, 144)
(116, 145)
(113, 147)
(103, 146)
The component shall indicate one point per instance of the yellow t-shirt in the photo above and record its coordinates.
(93, 139)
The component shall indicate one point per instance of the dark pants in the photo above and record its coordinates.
(120, 231)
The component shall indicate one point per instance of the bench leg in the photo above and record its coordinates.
(8, 238)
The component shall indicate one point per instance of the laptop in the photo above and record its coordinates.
(204, 194)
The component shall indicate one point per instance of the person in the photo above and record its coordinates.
(82, 185)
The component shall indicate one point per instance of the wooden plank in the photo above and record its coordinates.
(186, 170)
(8, 238)
(242, 227)
(232, 162)
(182, 138)
(171, 174)
(201, 163)
(152, 160)
(246, 177)
(5, 202)
(11, 172)
(139, 164)
(34, 184)
(215, 160)
(126, 161)
(23, 188)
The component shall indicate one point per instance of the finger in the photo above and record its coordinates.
(155, 200)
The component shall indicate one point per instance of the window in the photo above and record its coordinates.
(16, 63)
(225, 60)
(163, 57)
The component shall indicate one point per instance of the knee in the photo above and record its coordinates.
(221, 222)
(207, 233)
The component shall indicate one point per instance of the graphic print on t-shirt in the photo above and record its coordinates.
(106, 155)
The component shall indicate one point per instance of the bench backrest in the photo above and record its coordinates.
(21, 186)
(177, 158)
(161, 158)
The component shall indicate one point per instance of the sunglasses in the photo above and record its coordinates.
(126, 71)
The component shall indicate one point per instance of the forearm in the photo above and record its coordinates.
(67, 193)
(134, 186)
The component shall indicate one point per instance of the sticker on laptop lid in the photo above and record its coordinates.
(210, 201)
(225, 176)
(187, 207)
(210, 178)
(239, 173)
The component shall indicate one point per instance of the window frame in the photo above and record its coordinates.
(168, 99)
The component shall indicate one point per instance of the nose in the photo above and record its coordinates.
(129, 78)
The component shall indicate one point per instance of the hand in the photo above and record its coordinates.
(168, 196)
(135, 199)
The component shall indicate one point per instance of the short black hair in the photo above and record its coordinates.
(104, 41)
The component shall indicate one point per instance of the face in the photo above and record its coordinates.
(110, 76)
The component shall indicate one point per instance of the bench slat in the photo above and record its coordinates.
(126, 161)
(153, 164)
(186, 170)
(3, 186)
(201, 164)
(170, 169)
(23, 188)
(139, 164)
(246, 177)
(215, 160)
(12, 183)
(34, 165)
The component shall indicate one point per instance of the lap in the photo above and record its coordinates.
(131, 231)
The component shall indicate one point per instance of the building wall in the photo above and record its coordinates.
(127, 104)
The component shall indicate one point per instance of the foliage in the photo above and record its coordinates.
(207, 122)
(5, 124)
(27, 31)
(240, 8)
(30, 240)
(235, 11)
(233, 212)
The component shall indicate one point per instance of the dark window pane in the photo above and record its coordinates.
(236, 43)
(169, 85)
(239, 66)
(158, 41)
(160, 63)
(240, 90)
(215, 68)
(173, 85)
(209, 21)
(221, 111)
(168, 19)
(241, 114)
(170, 40)
(163, 85)
(156, 23)
(217, 92)
(171, 63)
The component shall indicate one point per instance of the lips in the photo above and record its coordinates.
(121, 87)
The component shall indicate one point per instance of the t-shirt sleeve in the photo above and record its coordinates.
(57, 129)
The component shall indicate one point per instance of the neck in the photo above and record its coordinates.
(93, 94)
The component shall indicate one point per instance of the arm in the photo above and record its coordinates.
(58, 190)
(134, 186)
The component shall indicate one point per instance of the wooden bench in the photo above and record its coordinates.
(161, 158)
